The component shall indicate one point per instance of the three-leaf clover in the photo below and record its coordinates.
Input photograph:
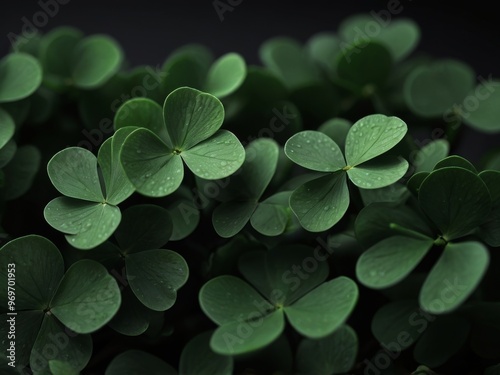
(251, 317)
(456, 201)
(185, 131)
(51, 305)
(69, 58)
(192, 66)
(153, 274)
(321, 203)
(447, 88)
(88, 213)
(245, 189)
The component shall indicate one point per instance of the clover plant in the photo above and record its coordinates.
(313, 213)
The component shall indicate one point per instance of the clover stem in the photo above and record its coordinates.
(176, 151)
(440, 241)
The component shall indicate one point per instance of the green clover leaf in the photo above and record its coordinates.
(153, 161)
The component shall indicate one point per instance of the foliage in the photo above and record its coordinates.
(283, 218)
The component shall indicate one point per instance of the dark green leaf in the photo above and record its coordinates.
(191, 116)
(364, 67)
(20, 172)
(244, 301)
(373, 223)
(323, 48)
(144, 227)
(27, 326)
(150, 165)
(75, 349)
(324, 309)
(137, 362)
(432, 90)
(243, 336)
(7, 127)
(7, 152)
(73, 172)
(378, 173)
(315, 150)
(38, 268)
(322, 202)
(155, 276)
(372, 136)
(442, 339)
(197, 358)
(288, 60)
(56, 50)
(117, 186)
(395, 193)
(455, 199)
(230, 218)
(428, 156)
(133, 318)
(217, 157)
(454, 277)
(337, 129)
(271, 216)
(285, 273)
(490, 230)
(186, 212)
(88, 292)
(20, 76)
(95, 60)
(144, 113)
(455, 161)
(261, 161)
(415, 182)
(485, 116)
(225, 75)
(401, 37)
(333, 354)
(87, 224)
(58, 367)
(400, 324)
(391, 260)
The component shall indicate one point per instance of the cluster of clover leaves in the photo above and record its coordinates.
(419, 236)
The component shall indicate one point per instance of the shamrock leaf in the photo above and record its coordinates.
(20, 76)
(248, 186)
(88, 212)
(320, 203)
(154, 274)
(153, 161)
(313, 307)
(86, 62)
(49, 300)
